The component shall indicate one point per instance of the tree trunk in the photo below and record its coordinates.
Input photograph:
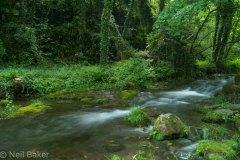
(105, 41)
(161, 5)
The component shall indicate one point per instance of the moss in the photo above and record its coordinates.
(128, 94)
(101, 100)
(86, 100)
(209, 148)
(35, 107)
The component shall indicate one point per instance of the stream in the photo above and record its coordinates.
(95, 133)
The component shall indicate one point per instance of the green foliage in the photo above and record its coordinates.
(234, 65)
(7, 109)
(137, 117)
(212, 116)
(221, 100)
(45, 80)
(163, 70)
(133, 71)
(155, 135)
(214, 132)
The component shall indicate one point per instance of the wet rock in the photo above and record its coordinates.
(113, 146)
(235, 107)
(169, 125)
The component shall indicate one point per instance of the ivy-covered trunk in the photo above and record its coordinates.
(105, 41)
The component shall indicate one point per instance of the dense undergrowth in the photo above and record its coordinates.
(44, 80)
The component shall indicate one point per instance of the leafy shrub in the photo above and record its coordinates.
(163, 70)
(155, 135)
(234, 65)
(206, 66)
(88, 77)
(133, 71)
(137, 117)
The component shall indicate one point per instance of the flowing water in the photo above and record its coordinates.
(70, 132)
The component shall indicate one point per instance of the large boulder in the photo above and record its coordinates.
(169, 125)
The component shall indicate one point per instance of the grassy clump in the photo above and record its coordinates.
(210, 115)
(210, 149)
(137, 117)
(220, 100)
(155, 135)
(214, 132)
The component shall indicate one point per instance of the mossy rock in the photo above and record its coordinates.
(101, 100)
(113, 146)
(209, 149)
(128, 94)
(36, 107)
(169, 126)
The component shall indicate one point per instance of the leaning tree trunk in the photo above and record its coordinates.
(124, 49)
(128, 16)
(105, 41)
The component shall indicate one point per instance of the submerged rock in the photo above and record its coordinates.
(113, 146)
(169, 126)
